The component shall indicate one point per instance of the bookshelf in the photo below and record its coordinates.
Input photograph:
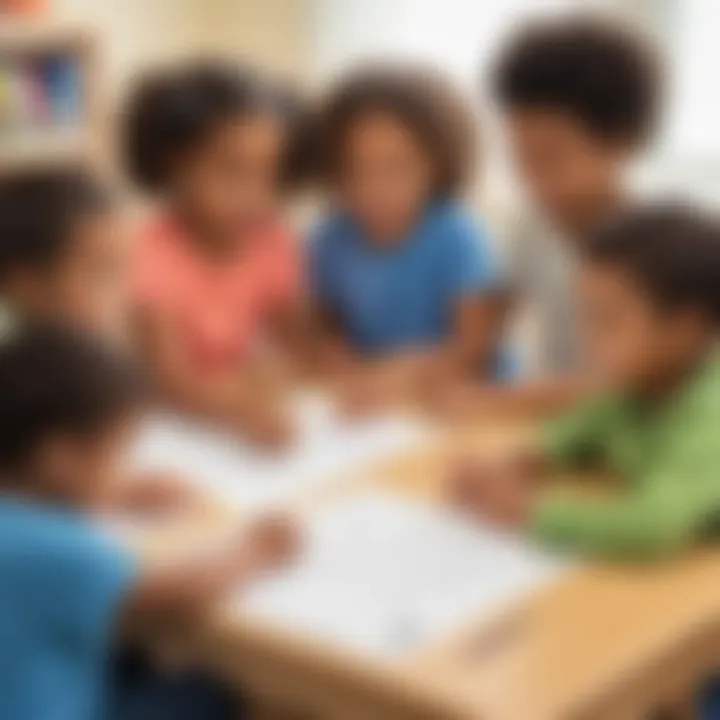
(48, 97)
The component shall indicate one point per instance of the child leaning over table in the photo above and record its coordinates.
(68, 408)
(402, 276)
(573, 134)
(64, 261)
(650, 296)
(217, 273)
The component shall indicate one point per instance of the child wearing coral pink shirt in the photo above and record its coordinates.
(219, 307)
(217, 271)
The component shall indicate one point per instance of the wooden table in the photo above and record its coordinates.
(602, 643)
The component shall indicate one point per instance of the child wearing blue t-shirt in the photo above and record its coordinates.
(401, 275)
(68, 406)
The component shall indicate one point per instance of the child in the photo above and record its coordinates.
(401, 274)
(62, 254)
(651, 310)
(217, 276)
(580, 99)
(68, 408)
(64, 260)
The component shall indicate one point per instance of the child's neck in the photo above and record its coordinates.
(581, 219)
(214, 243)
(394, 234)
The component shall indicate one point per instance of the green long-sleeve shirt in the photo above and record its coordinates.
(668, 455)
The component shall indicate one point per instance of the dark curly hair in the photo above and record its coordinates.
(671, 250)
(603, 74)
(172, 110)
(424, 100)
(38, 211)
(56, 380)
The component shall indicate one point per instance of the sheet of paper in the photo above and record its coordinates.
(326, 447)
(381, 574)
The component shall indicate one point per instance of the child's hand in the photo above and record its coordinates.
(271, 541)
(373, 388)
(500, 488)
(458, 402)
(362, 393)
(335, 357)
(270, 427)
(158, 492)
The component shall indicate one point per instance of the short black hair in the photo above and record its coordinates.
(171, 110)
(423, 99)
(603, 74)
(38, 211)
(671, 250)
(54, 379)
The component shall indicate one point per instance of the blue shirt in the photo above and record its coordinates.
(61, 586)
(403, 296)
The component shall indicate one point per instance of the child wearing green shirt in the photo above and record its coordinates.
(650, 300)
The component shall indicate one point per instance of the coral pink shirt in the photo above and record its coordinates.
(220, 307)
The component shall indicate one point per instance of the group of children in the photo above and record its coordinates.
(398, 294)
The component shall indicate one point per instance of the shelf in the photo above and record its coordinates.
(50, 87)
(32, 37)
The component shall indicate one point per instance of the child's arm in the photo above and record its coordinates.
(664, 513)
(186, 587)
(413, 376)
(477, 319)
(477, 326)
(152, 492)
(330, 353)
(669, 512)
(661, 513)
(504, 484)
(525, 400)
(230, 399)
(479, 302)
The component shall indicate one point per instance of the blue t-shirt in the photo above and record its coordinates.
(403, 296)
(61, 585)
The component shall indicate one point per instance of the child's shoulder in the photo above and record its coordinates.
(455, 221)
(35, 528)
(331, 227)
(333, 234)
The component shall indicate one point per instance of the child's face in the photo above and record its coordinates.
(566, 168)
(387, 176)
(81, 472)
(87, 286)
(631, 341)
(231, 181)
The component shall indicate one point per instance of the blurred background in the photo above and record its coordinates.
(65, 63)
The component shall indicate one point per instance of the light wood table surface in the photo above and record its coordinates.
(601, 643)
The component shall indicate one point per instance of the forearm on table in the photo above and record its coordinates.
(472, 346)
(224, 399)
(533, 399)
(641, 525)
(187, 586)
(292, 334)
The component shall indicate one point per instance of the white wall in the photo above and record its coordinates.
(134, 33)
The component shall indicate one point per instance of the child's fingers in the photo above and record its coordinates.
(274, 539)
(467, 484)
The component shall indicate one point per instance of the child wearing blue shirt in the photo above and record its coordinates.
(68, 407)
(401, 275)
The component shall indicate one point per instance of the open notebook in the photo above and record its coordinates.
(327, 446)
(381, 575)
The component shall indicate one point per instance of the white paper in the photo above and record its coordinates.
(381, 574)
(326, 448)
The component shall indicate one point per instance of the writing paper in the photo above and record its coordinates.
(381, 574)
